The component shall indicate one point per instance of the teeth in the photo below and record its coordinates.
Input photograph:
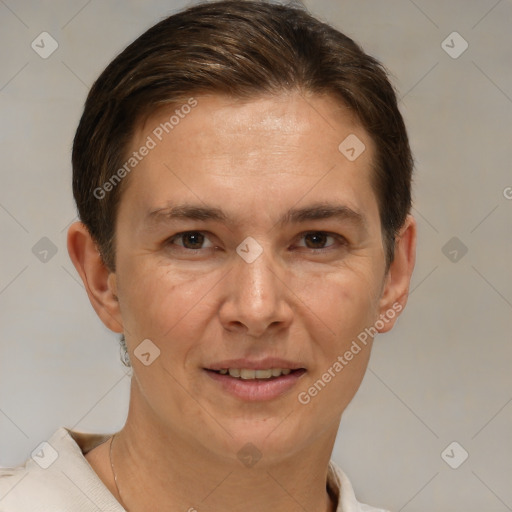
(249, 374)
(263, 374)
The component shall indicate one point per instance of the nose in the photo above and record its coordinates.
(257, 297)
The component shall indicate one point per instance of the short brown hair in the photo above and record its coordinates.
(243, 49)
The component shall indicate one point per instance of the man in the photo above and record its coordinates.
(242, 175)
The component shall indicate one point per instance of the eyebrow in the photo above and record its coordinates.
(318, 211)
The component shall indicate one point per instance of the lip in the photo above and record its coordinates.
(251, 364)
(257, 389)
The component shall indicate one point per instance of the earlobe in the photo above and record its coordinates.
(99, 282)
(396, 289)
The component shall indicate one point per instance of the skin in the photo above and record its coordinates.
(303, 298)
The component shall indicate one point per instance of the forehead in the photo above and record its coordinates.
(280, 121)
(266, 152)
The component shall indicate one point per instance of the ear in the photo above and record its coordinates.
(396, 285)
(99, 282)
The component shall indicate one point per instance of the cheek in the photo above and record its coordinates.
(344, 303)
(327, 393)
(163, 304)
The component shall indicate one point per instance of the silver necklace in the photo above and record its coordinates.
(114, 473)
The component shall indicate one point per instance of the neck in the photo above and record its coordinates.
(156, 470)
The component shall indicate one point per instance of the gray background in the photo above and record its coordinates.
(442, 375)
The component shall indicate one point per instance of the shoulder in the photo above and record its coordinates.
(56, 477)
(24, 488)
(343, 489)
(8, 478)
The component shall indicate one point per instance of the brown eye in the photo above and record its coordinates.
(317, 240)
(192, 240)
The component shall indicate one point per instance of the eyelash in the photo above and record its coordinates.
(339, 238)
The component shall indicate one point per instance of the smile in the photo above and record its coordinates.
(246, 373)
(255, 384)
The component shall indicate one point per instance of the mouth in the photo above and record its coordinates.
(255, 384)
(256, 374)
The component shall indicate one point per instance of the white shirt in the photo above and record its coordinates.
(58, 478)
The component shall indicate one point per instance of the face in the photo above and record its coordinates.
(247, 240)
